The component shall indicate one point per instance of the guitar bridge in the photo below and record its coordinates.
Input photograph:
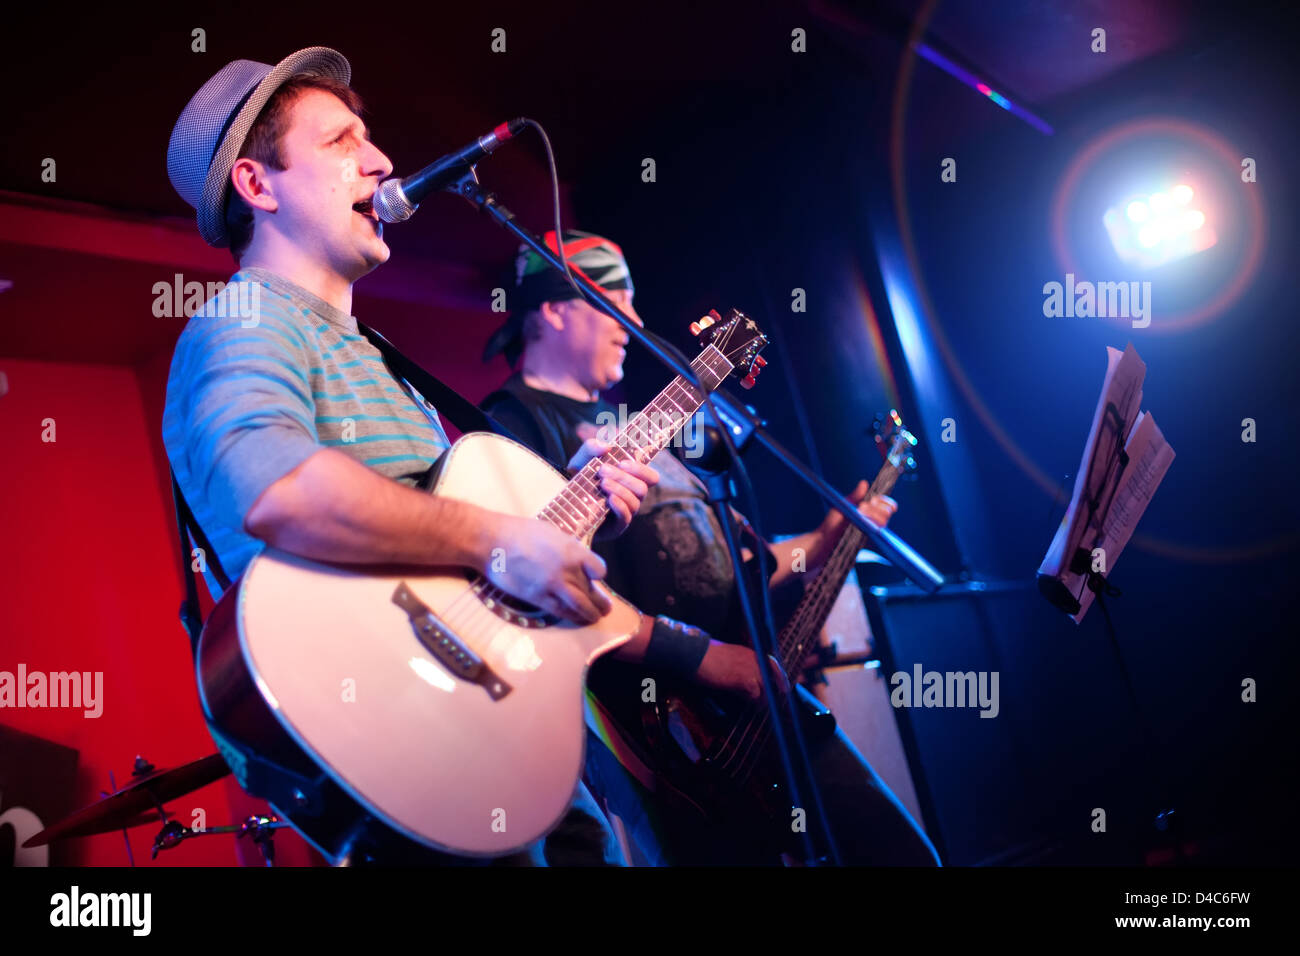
(450, 650)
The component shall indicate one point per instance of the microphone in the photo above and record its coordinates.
(396, 199)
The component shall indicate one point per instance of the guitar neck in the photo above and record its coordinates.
(581, 506)
(799, 635)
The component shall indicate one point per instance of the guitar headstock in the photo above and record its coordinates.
(894, 441)
(738, 338)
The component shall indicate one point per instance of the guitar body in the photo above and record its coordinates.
(740, 795)
(346, 712)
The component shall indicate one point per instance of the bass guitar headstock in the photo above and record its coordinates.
(894, 442)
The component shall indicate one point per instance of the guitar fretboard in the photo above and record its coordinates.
(581, 506)
(798, 637)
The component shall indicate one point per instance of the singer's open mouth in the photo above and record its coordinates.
(366, 207)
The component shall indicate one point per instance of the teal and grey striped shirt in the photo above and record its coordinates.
(265, 375)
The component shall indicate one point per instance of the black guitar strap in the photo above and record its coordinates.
(459, 410)
(190, 532)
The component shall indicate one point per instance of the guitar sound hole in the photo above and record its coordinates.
(507, 607)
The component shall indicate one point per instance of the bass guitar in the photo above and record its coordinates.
(716, 758)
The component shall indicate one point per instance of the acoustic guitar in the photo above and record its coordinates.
(423, 704)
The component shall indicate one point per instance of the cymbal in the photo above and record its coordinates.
(137, 803)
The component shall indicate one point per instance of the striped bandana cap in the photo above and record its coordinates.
(595, 257)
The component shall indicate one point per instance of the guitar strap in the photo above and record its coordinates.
(462, 413)
(459, 410)
(191, 533)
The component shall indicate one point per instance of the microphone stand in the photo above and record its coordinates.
(758, 621)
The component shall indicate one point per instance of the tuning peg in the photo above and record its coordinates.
(704, 323)
(748, 380)
(760, 362)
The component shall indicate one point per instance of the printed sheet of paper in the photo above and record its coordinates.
(1108, 500)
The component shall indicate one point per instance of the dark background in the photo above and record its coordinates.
(779, 170)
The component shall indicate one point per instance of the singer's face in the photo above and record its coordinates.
(332, 167)
(595, 343)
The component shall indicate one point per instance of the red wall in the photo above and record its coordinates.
(91, 576)
(91, 583)
(89, 559)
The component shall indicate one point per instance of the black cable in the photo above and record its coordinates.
(555, 200)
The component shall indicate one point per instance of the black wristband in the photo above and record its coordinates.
(675, 648)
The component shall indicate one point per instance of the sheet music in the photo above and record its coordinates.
(1108, 500)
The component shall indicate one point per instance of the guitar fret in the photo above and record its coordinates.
(648, 432)
(814, 607)
(568, 508)
(636, 429)
(586, 507)
(558, 521)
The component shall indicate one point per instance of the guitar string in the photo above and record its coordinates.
(752, 743)
(474, 596)
(468, 615)
(756, 731)
(477, 594)
(586, 519)
(790, 643)
(754, 725)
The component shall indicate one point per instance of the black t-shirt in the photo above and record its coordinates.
(673, 559)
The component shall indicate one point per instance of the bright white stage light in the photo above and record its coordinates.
(1158, 228)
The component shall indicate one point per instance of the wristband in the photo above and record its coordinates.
(675, 648)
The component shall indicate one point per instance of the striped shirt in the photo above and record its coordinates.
(264, 376)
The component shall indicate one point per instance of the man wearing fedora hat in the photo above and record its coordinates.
(285, 427)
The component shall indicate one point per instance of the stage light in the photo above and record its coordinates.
(1158, 228)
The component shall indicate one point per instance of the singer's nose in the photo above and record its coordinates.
(375, 162)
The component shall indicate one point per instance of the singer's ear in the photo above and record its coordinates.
(248, 180)
(551, 316)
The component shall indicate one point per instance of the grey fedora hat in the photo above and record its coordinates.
(214, 124)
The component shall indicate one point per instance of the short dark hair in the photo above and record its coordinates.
(265, 143)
